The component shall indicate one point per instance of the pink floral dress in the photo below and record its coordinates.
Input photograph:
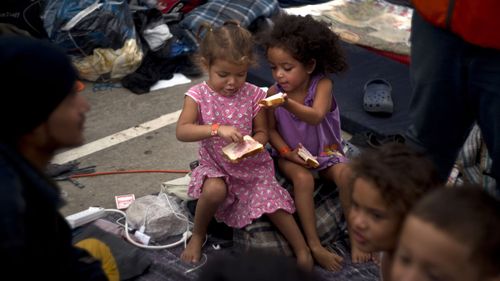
(252, 187)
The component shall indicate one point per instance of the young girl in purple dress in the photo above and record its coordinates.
(302, 52)
(221, 111)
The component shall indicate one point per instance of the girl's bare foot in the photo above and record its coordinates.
(326, 259)
(192, 253)
(359, 256)
(305, 260)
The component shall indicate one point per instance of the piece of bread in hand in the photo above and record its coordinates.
(308, 157)
(272, 100)
(238, 150)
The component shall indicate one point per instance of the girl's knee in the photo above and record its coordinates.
(339, 173)
(303, 181)
(214, 191)
(304, 177)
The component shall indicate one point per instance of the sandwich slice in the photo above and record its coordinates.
(307, 156)
(237, 151)
(276, 99)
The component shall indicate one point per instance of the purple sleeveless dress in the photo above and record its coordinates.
(323, 140)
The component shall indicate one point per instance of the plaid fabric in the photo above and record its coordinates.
(331, 225)
(332, 231)
(474, 163)
(215, 12)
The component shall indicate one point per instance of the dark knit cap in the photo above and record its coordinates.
(36, 77)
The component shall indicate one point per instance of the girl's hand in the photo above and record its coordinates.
(293, 156)
(285, 96)
(229, 133)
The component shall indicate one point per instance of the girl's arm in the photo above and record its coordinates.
(274, 137)
(260, 132)
(320, 107)
(279, 143)
(188, 128)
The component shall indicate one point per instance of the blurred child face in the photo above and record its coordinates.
(427, 253)
(290, 73)
(374, 227)
(226, 78)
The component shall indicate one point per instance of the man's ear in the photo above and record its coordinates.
(35, 138)
(311, 65)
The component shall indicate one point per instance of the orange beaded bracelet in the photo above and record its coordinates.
(214, 129)
(284, 150)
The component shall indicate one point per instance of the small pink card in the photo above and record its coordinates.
(123, 201)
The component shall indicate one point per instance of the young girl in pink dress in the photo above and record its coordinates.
(221, 111)
(301, 52)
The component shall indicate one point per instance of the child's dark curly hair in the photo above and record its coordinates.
(401, 175)
(306, 39)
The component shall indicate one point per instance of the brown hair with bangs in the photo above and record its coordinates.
(229, 42)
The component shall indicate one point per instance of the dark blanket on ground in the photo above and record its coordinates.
(166, 264)
(363, 65)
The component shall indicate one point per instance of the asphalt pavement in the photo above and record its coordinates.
(115, 112)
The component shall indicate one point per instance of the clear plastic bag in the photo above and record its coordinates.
(160, 216)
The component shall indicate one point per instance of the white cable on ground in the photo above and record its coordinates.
(185, 235)
(203, 262)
